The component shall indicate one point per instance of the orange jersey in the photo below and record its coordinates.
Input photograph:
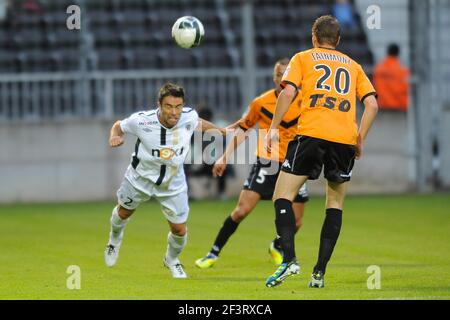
(260, 111)
(329, 81)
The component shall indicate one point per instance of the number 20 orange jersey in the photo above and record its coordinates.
(329, 82)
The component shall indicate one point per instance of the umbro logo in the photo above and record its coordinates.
(168, 212)
(283, 211)
(286, 164)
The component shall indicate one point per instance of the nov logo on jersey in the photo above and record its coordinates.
(166, 153)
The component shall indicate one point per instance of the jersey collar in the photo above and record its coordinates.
(326, 48)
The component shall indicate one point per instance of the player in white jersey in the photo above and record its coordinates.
(156, 170)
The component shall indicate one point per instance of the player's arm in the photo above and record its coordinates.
(221, 163)
(116, 138)
(204, 125)
(234, 125)
(283, 102)
(240, 129)
(368, 117)
(367, 94)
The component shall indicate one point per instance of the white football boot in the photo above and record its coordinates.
(176, 268)
(111, 255)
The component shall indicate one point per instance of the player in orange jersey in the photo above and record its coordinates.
(327, 137)
(263, 176)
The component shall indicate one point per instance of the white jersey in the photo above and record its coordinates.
(159, 152)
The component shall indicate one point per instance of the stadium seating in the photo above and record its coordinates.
(135, 34)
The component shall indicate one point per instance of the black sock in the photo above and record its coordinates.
(276, 243)
(285, 223)
(228, 228)
(328, 237)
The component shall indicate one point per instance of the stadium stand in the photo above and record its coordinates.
(135, 34)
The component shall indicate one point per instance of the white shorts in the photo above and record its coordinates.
(174, 207)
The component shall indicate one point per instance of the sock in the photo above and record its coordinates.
(285, 223)
(117, 226)
(328, 237)
(228, 228)
(276, 242)
(175, 245)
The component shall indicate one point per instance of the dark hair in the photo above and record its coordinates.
(393, 50)
(283, 61)
(327, 30)
(170, 89)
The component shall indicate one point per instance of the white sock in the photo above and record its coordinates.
(175, 245)
(117, 226)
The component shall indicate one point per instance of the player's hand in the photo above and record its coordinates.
(359, 148)
(270, 139)
(219, 167)
(233, 126)
(116, 141)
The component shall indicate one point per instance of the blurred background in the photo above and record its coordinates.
(61, 89)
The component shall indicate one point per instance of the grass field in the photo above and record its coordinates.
(408, 237)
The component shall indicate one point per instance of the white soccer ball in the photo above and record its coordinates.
(188, 32)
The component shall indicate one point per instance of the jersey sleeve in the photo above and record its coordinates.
(130, 124)
(293, 74)
(364, 87)
(251, 117)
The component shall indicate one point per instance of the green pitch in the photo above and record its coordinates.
(408, 237)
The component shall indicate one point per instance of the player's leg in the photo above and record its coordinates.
(330, 230)
(286, 190)
(176, 241)
(303, 161)
(299, 210)
(246, 203)
(338, 163)
(176, 211)
(129, 199)
(298, 207)
(119, 219)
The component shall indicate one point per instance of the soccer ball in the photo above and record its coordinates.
(188, 32)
